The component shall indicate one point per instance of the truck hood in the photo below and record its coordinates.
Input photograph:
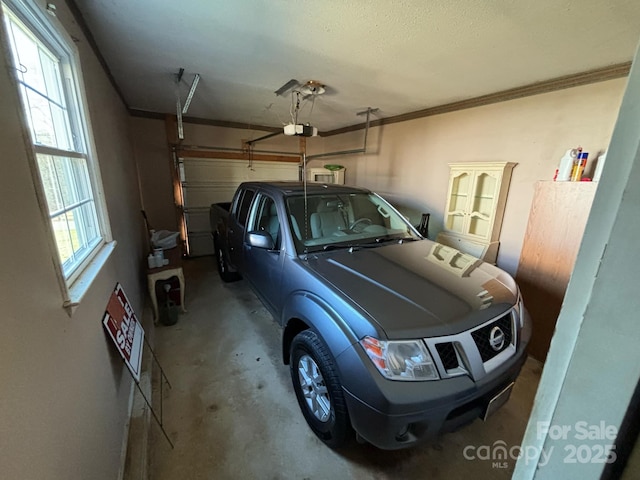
(417, 289)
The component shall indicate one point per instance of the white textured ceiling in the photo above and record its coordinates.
(397, 55)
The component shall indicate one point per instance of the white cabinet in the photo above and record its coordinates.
(475, 204)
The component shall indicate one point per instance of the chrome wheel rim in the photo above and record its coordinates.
(313, 388)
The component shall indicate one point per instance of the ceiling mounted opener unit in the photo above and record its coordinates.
(299, 93)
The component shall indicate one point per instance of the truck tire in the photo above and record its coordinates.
(318, 389)
(223, 268)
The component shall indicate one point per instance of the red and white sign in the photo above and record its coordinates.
(125, 330)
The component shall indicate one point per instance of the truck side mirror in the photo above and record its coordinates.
(260, 239)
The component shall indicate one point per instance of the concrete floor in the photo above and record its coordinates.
(232, 412)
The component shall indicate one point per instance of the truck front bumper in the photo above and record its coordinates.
(393, 415)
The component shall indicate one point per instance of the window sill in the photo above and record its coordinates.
(81, 285)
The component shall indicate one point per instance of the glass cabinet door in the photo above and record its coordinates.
(458, 202)
(482, 203)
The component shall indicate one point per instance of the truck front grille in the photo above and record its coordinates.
(487, 338)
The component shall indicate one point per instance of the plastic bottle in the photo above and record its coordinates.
(566, 164)
(578, 167)
(158, 256)
(151, 261)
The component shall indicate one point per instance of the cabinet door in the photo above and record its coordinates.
(482, 203)
(460, 184)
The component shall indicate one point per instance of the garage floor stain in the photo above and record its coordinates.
(232, 413)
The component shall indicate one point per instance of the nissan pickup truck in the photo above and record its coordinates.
(387, 334)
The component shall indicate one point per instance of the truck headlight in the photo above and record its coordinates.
(401, 360)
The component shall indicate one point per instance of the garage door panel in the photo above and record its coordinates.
(197, 220)
(210, 170)
(199, 196)
(201, 243)
(234, 172)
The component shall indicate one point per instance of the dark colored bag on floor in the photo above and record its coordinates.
(168, 311)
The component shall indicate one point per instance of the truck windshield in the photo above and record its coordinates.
(353, 219)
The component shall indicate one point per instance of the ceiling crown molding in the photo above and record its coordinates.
(568, 81)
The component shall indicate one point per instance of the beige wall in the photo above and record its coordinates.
(152, 157)
(408, 162)
(65, 392)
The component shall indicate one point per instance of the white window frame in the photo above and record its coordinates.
(51, 34)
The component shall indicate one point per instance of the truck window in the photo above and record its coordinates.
(244, 204)
(266, 219)
(235, 203)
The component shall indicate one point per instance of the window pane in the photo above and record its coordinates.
(40, 116)
(42, 92)
(76, 235)
(90, 232)
(81, 179)
(60, 120)
(51, 75)
(65, 181)
(50, 183)
(62, 236)
(49, 122)
(25, 49)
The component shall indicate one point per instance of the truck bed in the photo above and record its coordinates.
(218, 212)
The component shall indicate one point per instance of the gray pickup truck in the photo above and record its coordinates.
(387, 333)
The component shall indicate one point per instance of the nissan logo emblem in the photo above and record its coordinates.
(496, 338)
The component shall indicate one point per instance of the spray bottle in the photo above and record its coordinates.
(566, 164)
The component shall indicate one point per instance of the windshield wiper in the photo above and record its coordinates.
(407, 239)
(337, 246)
(352, 247)
(389, 238)
(371, 244)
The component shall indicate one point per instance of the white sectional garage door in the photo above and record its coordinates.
(208, 180)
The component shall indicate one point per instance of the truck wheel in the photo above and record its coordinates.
(223, 267)
(318, 389)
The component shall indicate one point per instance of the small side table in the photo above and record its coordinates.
(172, 269)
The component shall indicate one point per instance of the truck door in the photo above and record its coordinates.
(237, 222)
(263, 266)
